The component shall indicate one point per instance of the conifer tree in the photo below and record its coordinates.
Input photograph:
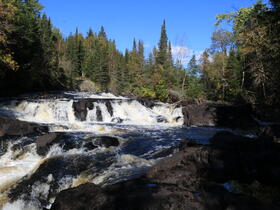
(102, 33)
(162, 46)
(90, 33)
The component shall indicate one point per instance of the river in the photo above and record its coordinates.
(145, 132)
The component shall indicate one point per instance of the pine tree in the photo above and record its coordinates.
(102, 33)
(90, 33)
(141, 54)
(134, 47)
(162, 46)
(169, 62)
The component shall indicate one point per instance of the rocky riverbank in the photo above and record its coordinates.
(196, 177)
(231, 172)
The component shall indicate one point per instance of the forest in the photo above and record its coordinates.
(241, 65)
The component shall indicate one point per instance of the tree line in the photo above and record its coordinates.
(241, 64)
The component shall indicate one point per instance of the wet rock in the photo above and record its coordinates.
(161, 119)
(99, 117)
(22, 144)
(89, 197)
(146, 102)
(89, 146)
(199, 115)
(272, 131)
(109, 108)
(220, 115)
(81, 108)
(106, 141)
(247, 159)
(66, 142)
(44, 142)
(14, 127)
(117, 120)
(56, 173)
(194, 177)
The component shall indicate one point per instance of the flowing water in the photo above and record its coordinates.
(146, 132)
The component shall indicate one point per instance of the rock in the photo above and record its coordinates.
(221, 115)
(174, 96)
(235, 116)
(193, 178)
(161, 119)
(87, 86)
(106, 141)
(272, 131)
(66, 142)
(199, 115)
(14, 127)
(109, 107)
(117, 120)
(89, 197)
(56, 172)
(246, 159)
(81, 108)
(44, 142)
(146, 102)
(99, 117)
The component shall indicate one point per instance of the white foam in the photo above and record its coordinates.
(14, 168)
(21, 205)
(46, 111)
(60, 115)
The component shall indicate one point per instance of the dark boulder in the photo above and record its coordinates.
(193, 178)
(109, 107)
(14, 127)
(199, 115)
(246, 159)
(271, 131)
(106, 141)
(161, 119)
(87, 197)
(146, 102)
(66, 142)
(221, 115)
(44, 142)
(81, 108)
(99, 116)
(117, 120)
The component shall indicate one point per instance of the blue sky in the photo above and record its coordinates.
(190, 23)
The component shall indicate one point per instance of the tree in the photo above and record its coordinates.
(102, 33)
(90, 33)
(221, 41)
(162, 46)
(7, 62)
(256, 32)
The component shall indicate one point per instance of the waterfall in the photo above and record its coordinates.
(115, 110)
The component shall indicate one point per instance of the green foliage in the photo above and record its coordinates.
(146, 93)
(256, 31)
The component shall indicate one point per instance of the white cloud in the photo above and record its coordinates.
(147, 45)
(184, 54)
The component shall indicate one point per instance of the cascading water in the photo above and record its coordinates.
(125, 111)
(146, 132)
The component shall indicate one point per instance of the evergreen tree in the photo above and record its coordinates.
(102, 33)
(141, 54)
(90, 33)
(162, 46)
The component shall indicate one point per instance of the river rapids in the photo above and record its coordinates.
(145, 132)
